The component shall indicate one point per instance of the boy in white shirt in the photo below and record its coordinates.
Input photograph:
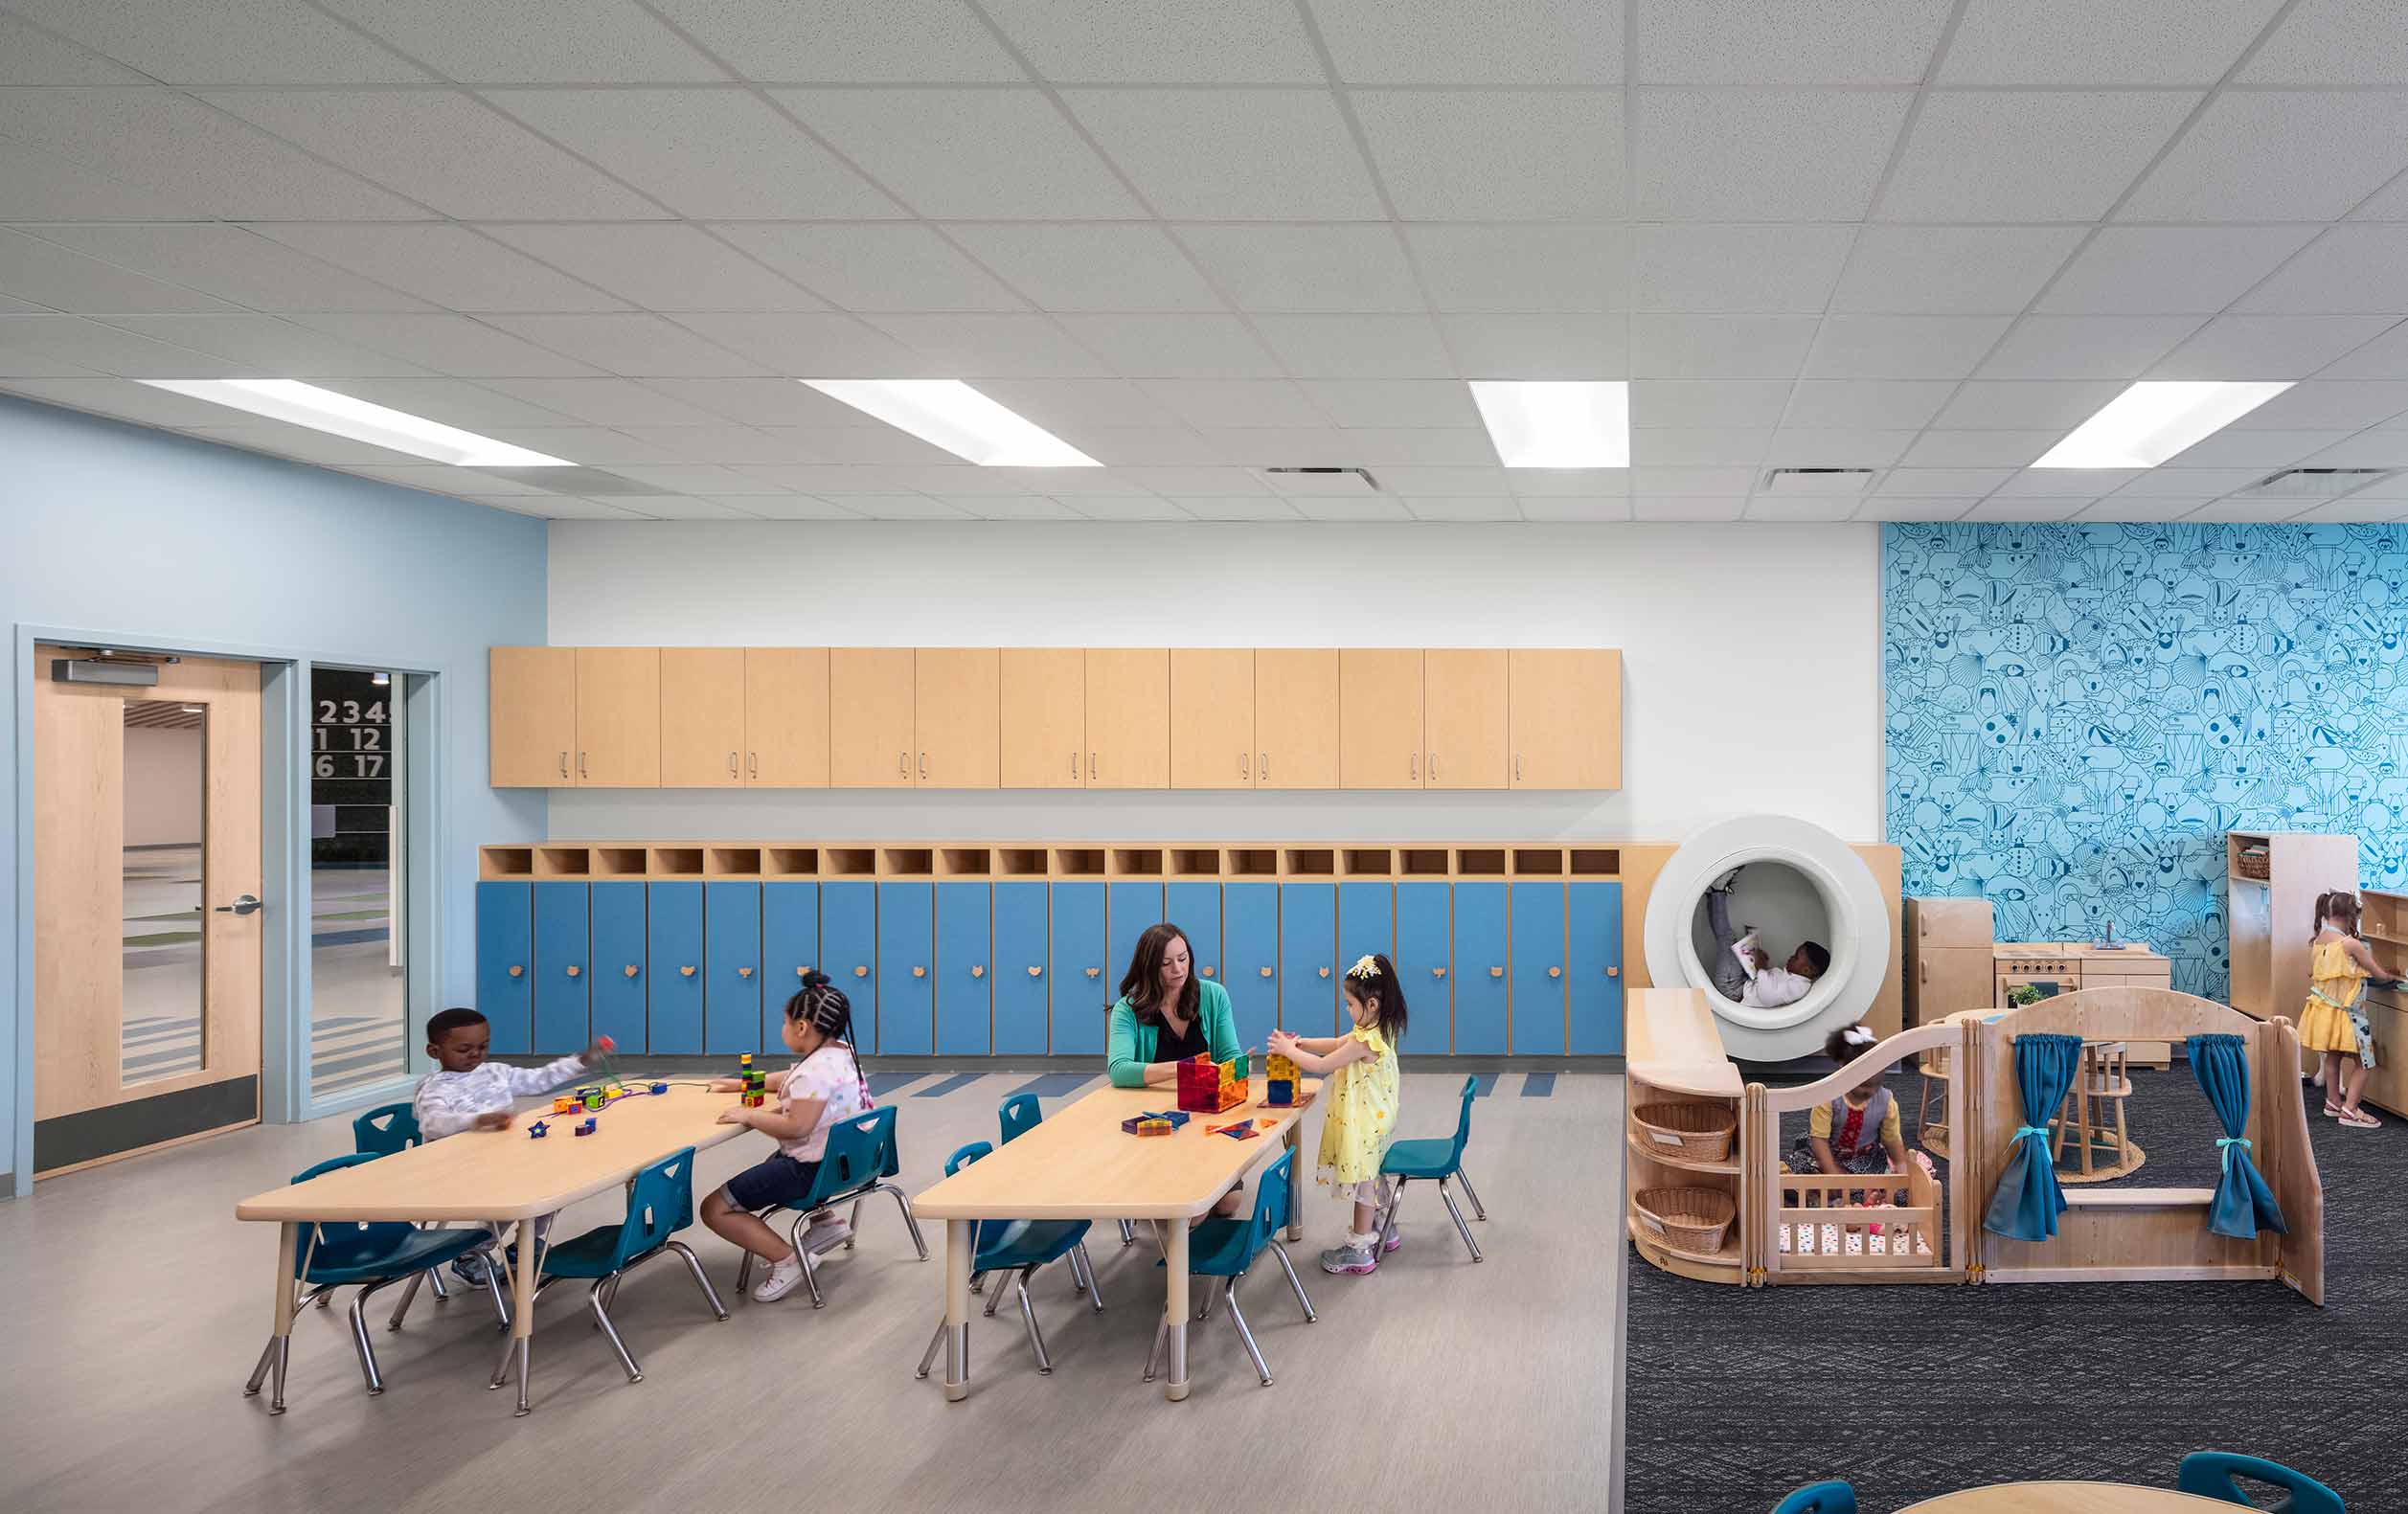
(1742, 970)
(472, 1093)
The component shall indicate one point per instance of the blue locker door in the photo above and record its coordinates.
(730, 938)
(1136, 908)
(1194, 908)
(506, 964)
(907, 939)
(1538, 985)
(848, 952)
(790, 948)
(1018, 968)
(1308, 952)
(675, 936)
(1080, 994)
(619, 972)
(1250, 960)
(1482, 965)
(1425, 965)
(966, 970)
(1595, 969)
(563, 960)
(1367, 924)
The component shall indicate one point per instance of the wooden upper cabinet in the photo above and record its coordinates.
(531, 716)
(956, 717)
(1379, 718)
(869, 730)
(1128, 717)
(1296, 718)
(702, 716)
(785, 717)
(619, 716)
(1463, 719)
(1044, 718)
(1212, 717)
(1565, 714)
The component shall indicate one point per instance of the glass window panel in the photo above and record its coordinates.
(359, 990)
(167, 770)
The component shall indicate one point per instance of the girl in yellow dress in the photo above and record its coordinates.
(2334, 1021)
(1360, 1102)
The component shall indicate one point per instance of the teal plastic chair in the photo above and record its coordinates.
(1022, 1247)
(1019, 1115)
(660, 1203)
(384, 1130)
(371, 1257)
(860, 1157)
(1437, 1161)
(1820, 1498)
(1227, 1250)
(2209, 1475)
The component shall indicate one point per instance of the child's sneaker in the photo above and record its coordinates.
(825, 1235)
(1394, 1239)
(1358, 1255)
(783, 1279)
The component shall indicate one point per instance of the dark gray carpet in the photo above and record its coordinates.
(1733, 1396)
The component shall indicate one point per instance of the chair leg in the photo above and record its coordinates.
(435, 1278)
(910, 1221)
(693, 1265)
(1077, 1274)
(361, 1343)
(1087, 1265)
(1128, 1233)
(928, 1358)
(493, 1288)
(853, 1223)
(1204, 1303)
(1028, 1317)
(994, 1302)
(408, 1294)
(602, 1317)
(276, 1356)
(743, 1273)
(1288, 1267)
(1396, 1206)
(810, 1272)
(1162, 1340)
(1246, 1336)
(1460, 1229)
(1465, 1178)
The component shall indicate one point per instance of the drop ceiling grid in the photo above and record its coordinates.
(2331, 294)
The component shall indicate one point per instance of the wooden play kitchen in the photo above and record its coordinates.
(1953, 965)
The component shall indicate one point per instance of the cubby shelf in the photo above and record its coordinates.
(1172, 861)
(1656, 1154)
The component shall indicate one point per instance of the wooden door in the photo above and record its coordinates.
(531, 716)
(785, 717)
(1212, 717)
(870, 717)
(1128, 717)
(1296, 718)
(1464, 718)
(1564, 712)
(1044, 718)
(956, 717)
(1379, 718)
(702, 717)
(619, 716)
(147, 915)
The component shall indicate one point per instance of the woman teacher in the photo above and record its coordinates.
(1165, 1015)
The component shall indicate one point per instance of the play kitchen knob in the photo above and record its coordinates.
(245, 905)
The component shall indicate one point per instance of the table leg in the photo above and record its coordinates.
(1174, 1384)
(280, 1340)
(957, 1308)
(522, 1323)
(1294, 1137)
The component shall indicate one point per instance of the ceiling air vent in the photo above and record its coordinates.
(1354, 482)
(2322, 484)
(1817, 480)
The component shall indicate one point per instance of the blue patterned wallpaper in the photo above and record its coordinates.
(2076, 713)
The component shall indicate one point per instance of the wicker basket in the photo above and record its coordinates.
(2251, 864)
(1692, 1132)
(1692, 1219)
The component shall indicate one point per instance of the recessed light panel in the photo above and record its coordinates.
(302, 404)
(2150, 423)
(949, 414)
(1556, 424)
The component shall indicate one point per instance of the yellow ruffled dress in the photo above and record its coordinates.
(1360, 1100)
(2336, 990)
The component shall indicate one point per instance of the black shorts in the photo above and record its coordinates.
(780, 1179)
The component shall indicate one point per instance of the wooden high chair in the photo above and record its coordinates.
(2105, 1079)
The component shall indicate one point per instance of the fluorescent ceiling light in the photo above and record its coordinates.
(2150, 423)
(323, 410)
(949, 414)
(1556, 424)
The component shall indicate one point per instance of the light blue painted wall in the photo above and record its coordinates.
(2078, 714)
(112, 528)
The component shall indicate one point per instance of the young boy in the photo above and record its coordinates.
(1742, 970)
(472, 1093)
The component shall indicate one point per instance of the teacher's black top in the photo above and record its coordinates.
(1171, 1047)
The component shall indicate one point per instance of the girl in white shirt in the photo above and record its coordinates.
(817, 1092)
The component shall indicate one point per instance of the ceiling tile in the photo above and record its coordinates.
(1357, 345)
(437, 478)
(1541, 346)
(1762, 155)
(297, 444)
(989, 507)
(225, 42)
(1699, 446)
(981, 346)
(450, 265)
(2386, 356)
(1559, 482)
(1213, 481)
(122, 397)
(1747, 42)
(2368, 449)
(2349, 268)
(31, 56)
(594, 447)
(2168, 270)
(1735, 269)
(1791, 509)
(808, 346)
(1835, 448)
(1090, 267)
(1522, 267)
(447, 344)
(1468, 155)
(442, 149)
(2323, 404)
(659, 266)
(2025, 509)
(2180, 482)
(1719, 346)
(760, 401)
(1063, 403)
(1951, 270)
(2009, 156)
(2389, 203)
(1941, 483)
(1645, 508)
(1648, 481)
(1872, 404)
(1305, 447)
(557, 42)
(2086, 345)
(1709, 402)
(556, 506)
(2235, 447)
(160, 140)
(1394, 401)
(1409, 482)
(875, 444)
(1881, 509)
(738, 445)
(1001, 155)
(40, 185)
(635, 346)
(452, 401)
(279, 347)
(894, 41)
(2101, 41)
(2267, 347)
(1382, 447)
(2328, 42)
(702, 153)
(43, 273)
(1339, 508)
(2025, 405)
(1242, 506)
(876, 267)
(1140, 506)
(2243, 512)
(1306, 267)
(1174, 346)
(1217, 154)
(688, 478)
(232, 262)
(2277, 156)
(840, 483)
(2355, 509)
(681, 506)
(1902, 347)
(2132, 509)
(1468, 509)
(1156, 446)
(1207, 402)
(1161, 41)
(1500, 42)
(1980, 450)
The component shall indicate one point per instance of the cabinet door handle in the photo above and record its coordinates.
(1496, 972)
(574, 969)
(1263, 767)
(861, 972)
(1095, 972)
(1922, 971)
(902, 763)
(1554, 972)
(1432, 767)
(581, 764)
(1413, 766)
(1074, 767)
(1517, 767)
(920, 972)
(1438, 971)
(1245, 769)
(633, 969)
(1266, 972)
(1036, 972)
(743, 972)
(564, 764)
(685, 972)
(752, 765)
(978, 969)
(1092, 767)
(923, 767)
(515, 969)
(730, 765)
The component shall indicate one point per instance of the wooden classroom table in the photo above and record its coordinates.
(1079, 1165)
(481, 1175)
(2066, 1497)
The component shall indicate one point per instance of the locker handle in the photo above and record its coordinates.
(685, 972)
(861, 972)
(515, 969)
(1613, 972)
(1036, 972)
(920, 972)
(978, 970)
(1325, 972)
(633, 969)
(802, 970)
(743, 972)
(1923, 970)
(1496, 972)
(1554, 972)
(574, 969)
(1438, 971)
(1208, 972)
(1266, 972)
(1095, 972)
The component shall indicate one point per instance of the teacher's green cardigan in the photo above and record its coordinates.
(1129, 1047)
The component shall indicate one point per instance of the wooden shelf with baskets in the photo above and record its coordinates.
(1683, 1125)
(1727, 1257)
(1640, 1150)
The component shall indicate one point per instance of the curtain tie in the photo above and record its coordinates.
(2224, 1143)
(2023, 1132)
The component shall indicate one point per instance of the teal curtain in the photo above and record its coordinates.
(2028, 1200)
(2243, 1204)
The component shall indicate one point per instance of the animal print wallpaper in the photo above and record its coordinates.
(2077, 714)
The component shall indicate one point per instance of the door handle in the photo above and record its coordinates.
(752, 765)
(633, 969)
(1092, 769)
(580, 765)
(978, 969)
(1074, 767)
(1517, 767)
(247, 904)
(1245, 769)
(1262, 767)
(1432, 767)
(923, 767)
(743, 972)
(564, 764)
(902, 763)
(574, 969)
(1413, 766)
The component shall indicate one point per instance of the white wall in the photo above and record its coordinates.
(1751, 657)
(163, 787)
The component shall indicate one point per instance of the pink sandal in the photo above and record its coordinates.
(2359, 1119)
